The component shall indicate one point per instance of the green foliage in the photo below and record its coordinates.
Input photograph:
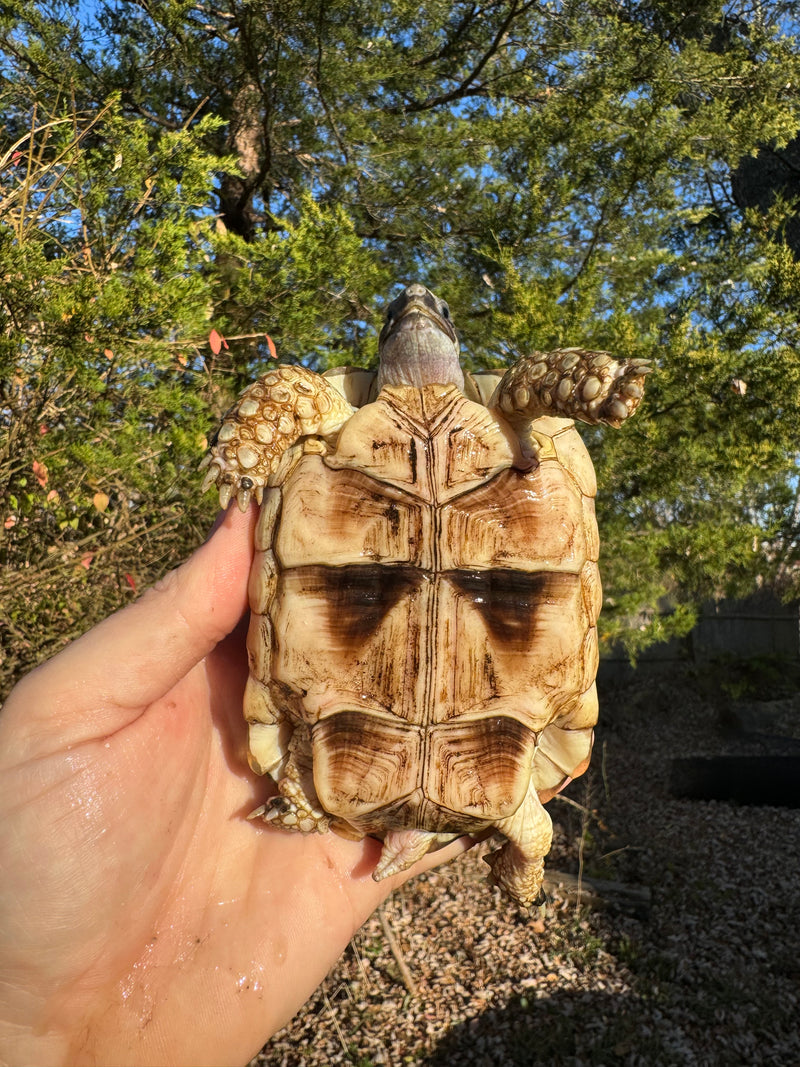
(561, 172)
(103, 394)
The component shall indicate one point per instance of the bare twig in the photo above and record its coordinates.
(397, 952)
(336, 1026)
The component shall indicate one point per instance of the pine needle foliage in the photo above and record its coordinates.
(181, 182)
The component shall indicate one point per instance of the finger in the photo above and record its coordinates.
(141, 652)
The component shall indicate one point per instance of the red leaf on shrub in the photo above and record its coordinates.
(130, 581)
(271, 346)
(40, 471)
(10, 521)
(217, 342)
(108, 353)
(86, 561)
(43, 429)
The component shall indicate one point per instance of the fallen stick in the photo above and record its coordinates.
(599, 893)
(397, 952)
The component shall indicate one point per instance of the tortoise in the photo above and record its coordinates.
(425, 590)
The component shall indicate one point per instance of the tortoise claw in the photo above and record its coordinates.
(225, 494)
(284, 405)
(289, 814)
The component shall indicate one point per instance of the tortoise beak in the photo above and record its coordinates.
(413, 307)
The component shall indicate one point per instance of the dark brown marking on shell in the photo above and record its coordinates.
(393, 515)
(489, 674)
(358, 597)
(363, 762)
(509, 600)
(289, 699)
(482, 766)
(412, 458)
(336, 518)
(459, 777)
(530, 521)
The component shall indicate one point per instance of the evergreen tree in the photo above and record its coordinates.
(563, 172)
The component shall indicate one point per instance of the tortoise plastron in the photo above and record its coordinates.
(425, 591)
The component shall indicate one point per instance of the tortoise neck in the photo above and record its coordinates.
(419, 355)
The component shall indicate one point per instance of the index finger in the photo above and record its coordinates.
(101, 681)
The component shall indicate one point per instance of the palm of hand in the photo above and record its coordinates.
(143, 918)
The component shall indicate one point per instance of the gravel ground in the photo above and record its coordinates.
(707, 975)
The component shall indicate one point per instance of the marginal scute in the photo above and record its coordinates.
(581, 715)
(267, 517)
(572, 454)
(479, 386)
(266, 754)
(592, 591)
(262, 582)
(357, 386)
(259, 646)
(259, 705)
(590, 528)
(559, 753)
(591, 656)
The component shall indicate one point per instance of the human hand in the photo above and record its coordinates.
(143, 919)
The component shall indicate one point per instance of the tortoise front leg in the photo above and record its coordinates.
(572, 383)
(285, 404)
(518, 867)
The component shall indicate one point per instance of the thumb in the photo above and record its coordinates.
(100, 681)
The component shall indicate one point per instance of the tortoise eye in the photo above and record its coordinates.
(445, 311)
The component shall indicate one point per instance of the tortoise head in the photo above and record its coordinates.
(418, 345)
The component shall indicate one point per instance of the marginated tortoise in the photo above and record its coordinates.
(425, 590)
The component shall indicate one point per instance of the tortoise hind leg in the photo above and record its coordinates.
(285, 404)
(402, 848)
(518, 867)
(296, 807)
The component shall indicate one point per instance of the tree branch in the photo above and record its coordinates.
(462, 89)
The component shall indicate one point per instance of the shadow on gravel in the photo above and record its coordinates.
(560, 1031)
(771, 781)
